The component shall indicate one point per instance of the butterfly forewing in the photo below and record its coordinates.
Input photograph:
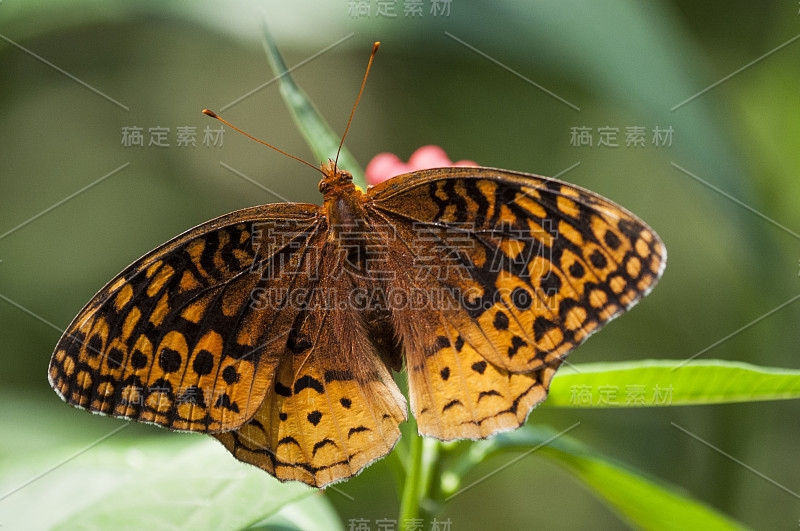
(534, 266)
(176, 339)
(530, 257)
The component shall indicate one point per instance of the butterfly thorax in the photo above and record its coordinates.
(357, 257)
(343, 203)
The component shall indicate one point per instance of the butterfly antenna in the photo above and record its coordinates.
(364, 82)
(214, 115)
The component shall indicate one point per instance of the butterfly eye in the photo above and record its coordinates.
(323, 186)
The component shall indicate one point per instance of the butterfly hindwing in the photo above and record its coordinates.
(331, 407)
(455, 393)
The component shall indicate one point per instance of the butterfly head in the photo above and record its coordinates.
(334, 180)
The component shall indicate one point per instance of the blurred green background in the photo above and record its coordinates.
(442, 79)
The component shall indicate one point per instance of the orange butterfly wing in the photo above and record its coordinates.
(174, 339)
(518, 270)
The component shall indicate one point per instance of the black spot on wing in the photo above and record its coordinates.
(598, 260)
(521, 298)
(500, 321)
(314, 417)
(516, 343)
(230, 375)
(442, 342)
(115, 358)
(203, 363)
(611, 240)
(192, 395)
(459, 343)
(308, 382)
(225, 402)
(541, 326)
(576, 270)
(138, 360)
(289, 440)
(358, 429)
(95, 345)
(452, 403)
(550, 283)
(169, 360)
(479, 366)
(486, 394)
(322, 444)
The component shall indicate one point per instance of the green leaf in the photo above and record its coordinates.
(324, 142)
(313, 513)
(651, 383)
(155, 485)
(643, 501)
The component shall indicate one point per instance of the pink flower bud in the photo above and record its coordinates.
(387, 165)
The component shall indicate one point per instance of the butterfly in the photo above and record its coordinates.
(277, 328)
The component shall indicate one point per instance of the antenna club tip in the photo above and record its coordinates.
(375, 46)
(210, 113)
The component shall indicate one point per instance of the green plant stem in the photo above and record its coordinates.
(421, 463)
(410, 502)
(396, 461)
(430, 464)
